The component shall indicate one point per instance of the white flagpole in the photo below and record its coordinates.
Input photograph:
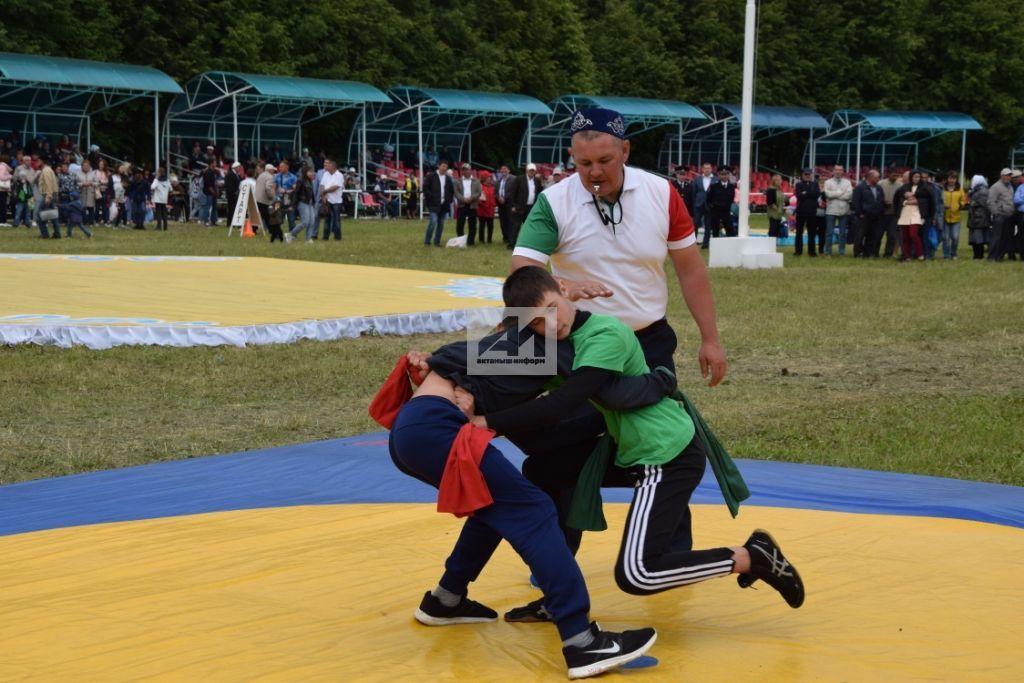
(748, 115)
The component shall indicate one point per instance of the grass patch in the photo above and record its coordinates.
(881, 365)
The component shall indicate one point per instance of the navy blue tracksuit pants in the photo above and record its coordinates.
(522, 514)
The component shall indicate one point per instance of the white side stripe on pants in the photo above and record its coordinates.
(633, 563)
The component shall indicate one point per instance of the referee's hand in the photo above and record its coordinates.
(574, 290)
(712, 362)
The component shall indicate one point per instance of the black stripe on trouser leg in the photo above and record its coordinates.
(647, 564)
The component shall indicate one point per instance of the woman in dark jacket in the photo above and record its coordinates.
(915, 206)
(306, 202)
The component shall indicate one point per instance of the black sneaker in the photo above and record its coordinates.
(530, 613)
(608, 651)
(746, 580)
(433, 613)
(769, 564)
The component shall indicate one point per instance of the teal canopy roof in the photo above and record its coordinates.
(777, 118)
(467, 101)
(548, 139)
(79, 74)
(53, 96)
(216, 93)
(913, 120)
(448, 118)
(635, 107)
(313, 88)
(265, 108)
(882, 138)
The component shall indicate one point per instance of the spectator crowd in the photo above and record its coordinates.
(909, 214)
(913, 212)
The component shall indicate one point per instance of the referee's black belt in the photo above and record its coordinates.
(654, 327)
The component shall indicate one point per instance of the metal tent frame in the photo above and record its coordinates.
(225, 105)
(438, 116)
(1015, 152)
(39, 93)
(876, 133)
(547, 140)
(719, 135)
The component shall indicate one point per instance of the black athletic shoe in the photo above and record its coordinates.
(433, 613)
(608, 651)
(769, 564)
(529, 614)
(746, 580)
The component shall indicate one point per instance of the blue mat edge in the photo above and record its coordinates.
(358, 470)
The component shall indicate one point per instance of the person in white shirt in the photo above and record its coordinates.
(161, 188)
(696, 198)
(838, 193)
(607, 233)
(524, 195)
(438, 190)
(331, 190)
(467, 194)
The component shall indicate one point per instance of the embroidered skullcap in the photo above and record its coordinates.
(601, 120)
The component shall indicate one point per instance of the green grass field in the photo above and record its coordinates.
(910, 367)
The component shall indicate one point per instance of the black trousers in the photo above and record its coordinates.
(719, 220)
(810, 223)
(866, 234)
(160, 214)
(505, 222)
(264, 210)
(656, 552)
(555, 456)
(466, 213)
(486, 227)
(1016, 242)
(1000, 237)
(873, 230)
(892, 235)
(516, 222)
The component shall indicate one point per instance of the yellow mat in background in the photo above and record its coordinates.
(228, 291)
(327, 594)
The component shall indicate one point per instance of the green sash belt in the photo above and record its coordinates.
(585, 512)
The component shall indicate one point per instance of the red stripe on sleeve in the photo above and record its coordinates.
(680, 225)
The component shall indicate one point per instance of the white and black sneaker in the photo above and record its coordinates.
(432, 612)
(768, 564)
(531, 612)
(608, 651)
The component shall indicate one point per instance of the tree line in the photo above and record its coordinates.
(912, 55)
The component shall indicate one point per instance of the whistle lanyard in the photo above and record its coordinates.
(608, 217)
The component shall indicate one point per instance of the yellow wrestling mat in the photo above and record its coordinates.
(326, 593)
(103, 301)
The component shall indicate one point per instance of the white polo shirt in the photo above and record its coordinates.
(336, 180)
(565, 228)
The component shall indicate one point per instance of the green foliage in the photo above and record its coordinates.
(907, 55)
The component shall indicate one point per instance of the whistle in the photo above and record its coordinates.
(597, 188)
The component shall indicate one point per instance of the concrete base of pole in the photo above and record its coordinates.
(744, 252)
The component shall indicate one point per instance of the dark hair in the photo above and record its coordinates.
(527, 286)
